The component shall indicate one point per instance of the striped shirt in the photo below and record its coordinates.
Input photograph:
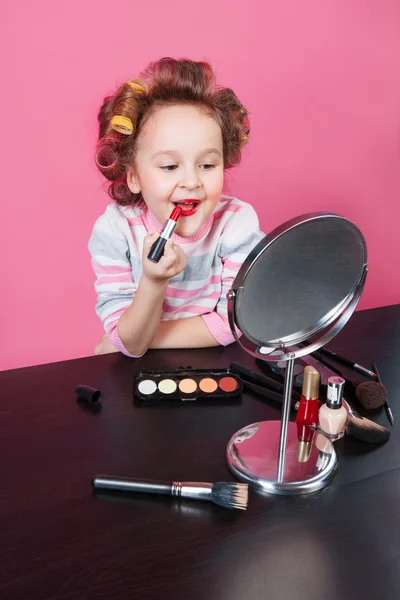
(214, 255)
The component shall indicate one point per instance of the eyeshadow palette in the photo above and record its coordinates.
(186, 383)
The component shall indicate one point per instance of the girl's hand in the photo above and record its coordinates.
(172, 262)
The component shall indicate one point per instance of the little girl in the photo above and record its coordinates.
(165, 140)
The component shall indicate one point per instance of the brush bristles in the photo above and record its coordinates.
(366, 430)
(371, 394)
(230, 494)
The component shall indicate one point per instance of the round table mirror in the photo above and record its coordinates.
(294, 292)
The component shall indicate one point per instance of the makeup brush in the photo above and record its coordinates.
(363, 429)
(226, 493)
(275, 397)
(157, 249)
(387, 407)
(348, 362)
(371, 394)
(257, 378)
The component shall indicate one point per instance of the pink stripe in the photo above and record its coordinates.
(110, 269)
(198, 310)
(114, 338)
(234, 208)
(118, 313)
(219, 328)
(231, 265)
(126, 278)
(136, 221)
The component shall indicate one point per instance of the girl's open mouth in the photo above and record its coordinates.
(188, 207)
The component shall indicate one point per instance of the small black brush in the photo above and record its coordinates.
(226, 493)
(386, 405)
(349, 363)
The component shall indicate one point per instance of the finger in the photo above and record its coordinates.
(169, 251)
(170, 244)
(149, 241)
(167, 263)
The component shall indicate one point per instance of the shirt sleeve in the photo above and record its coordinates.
(114, 285)
(240, 235)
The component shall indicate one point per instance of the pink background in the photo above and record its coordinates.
(322, 83)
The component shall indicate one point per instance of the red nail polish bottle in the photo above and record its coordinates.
(307, 413)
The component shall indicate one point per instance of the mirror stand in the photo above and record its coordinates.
(277, 460)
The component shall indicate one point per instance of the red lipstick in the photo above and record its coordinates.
(176, 213)
(157, 249)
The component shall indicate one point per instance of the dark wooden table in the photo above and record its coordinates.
(60, 541)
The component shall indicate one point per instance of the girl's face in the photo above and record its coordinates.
(179, 157)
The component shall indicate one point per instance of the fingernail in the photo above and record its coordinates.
(98, 349)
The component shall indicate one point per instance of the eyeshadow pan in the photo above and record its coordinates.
(208, 385)
(167, 386)
(188, 386)
(185, 383)
(228, 384)
(147, 386)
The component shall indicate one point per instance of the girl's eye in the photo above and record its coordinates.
(205, 167)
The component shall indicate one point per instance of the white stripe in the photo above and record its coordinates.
(206, 302)
(106, 261)
(192, 300)
(117, 287)
(111, 307)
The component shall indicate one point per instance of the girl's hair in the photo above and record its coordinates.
(165, 82)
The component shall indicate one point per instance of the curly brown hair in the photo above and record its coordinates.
(165, 82)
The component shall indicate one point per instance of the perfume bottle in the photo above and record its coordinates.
(333, 415)
(307, 413)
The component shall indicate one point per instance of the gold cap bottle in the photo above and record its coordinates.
(310, 389)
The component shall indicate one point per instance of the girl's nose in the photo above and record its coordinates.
(189, 179)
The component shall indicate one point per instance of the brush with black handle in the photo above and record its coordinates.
(225, 493)
(348, 362)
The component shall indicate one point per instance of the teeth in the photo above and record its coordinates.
(186, 205)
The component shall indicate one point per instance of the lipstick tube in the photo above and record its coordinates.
(309, 405)
(157, 249)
